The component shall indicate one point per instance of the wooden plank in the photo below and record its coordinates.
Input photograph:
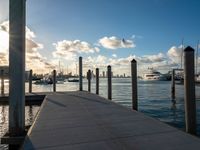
(81, 120)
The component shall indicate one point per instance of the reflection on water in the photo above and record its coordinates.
(154, 99)
(30, 113)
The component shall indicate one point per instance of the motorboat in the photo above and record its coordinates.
(44, 81)
(154, 75)
(60, 80)
(73, 80)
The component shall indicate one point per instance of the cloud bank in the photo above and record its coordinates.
(34, 60)
(70, 49)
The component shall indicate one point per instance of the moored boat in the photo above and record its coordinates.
(44, 81)
(154, 75)
(73, 80)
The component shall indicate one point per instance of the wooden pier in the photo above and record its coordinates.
(30, 98)
(85, 121)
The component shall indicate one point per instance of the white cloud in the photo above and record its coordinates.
(114, 55)
(34, 60)
(122, 65)
(152, 58)
(70, 49)
(4, 26)
(174, 54)
(3, 59)
(115, 43)
(97, 61)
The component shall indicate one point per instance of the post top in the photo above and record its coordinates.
(97, 68)
(188, 49)
(109, 66)
(80, 57)
(133, 61)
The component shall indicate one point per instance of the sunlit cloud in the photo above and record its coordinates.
(34, 60)
(152, 58)
(70, 49)
(3, 59)
(122, 65)
(115, 43)
(175, 54)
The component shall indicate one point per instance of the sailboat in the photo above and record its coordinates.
(74, 79)
(60, 78)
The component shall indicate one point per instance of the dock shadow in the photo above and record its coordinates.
(57, 103)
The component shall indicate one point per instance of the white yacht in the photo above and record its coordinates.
(152, 74)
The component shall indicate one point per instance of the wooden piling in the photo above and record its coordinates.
(2, 82)
(30, 80)
(109, 74)
(80, 74)
(17, 26)
(54, 80)
(189, 85)
(173, 84)
(97, 81)
(89, 80)
(134, 84)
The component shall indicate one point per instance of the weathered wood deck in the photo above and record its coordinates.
(83, 121)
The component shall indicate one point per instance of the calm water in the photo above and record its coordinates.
(154, 100)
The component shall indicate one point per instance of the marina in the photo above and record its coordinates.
(154, 99)
(116, 110)
(95, 84)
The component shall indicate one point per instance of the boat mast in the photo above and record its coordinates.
(67, 69)
(76, 70)
(197, 53)
(59, 67)
(182, 53)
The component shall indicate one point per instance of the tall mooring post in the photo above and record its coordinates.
(54, 80)
(89, 80)
(173, 84)
(189, 85)
(109, 74)
(134, 84)
(30, 80)
(80, 74)
(17, 67)
(2, 82)
(97, 81)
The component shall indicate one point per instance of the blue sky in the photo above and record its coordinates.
(153, 26)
